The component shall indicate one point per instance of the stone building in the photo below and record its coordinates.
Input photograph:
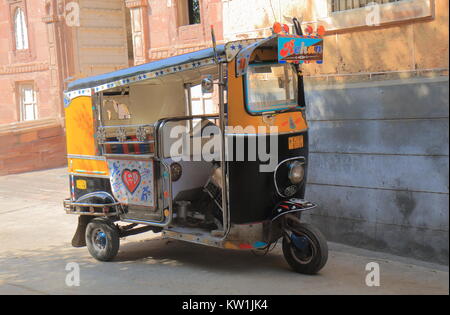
(164, 28)
(43, 43)
(378, 110)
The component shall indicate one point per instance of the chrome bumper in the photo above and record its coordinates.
(98, 210)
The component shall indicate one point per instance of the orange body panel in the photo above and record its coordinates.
(80, 130)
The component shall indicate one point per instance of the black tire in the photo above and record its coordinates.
(317, 249)
(102, 239)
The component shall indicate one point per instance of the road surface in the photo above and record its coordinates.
(35, 250)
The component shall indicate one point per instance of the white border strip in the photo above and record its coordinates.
(68, 96)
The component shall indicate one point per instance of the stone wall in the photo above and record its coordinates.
(32, 146)
(379, 164)
(414, 38)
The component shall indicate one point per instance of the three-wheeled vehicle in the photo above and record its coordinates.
(140, 158)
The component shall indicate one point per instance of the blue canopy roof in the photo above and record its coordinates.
(122, 74)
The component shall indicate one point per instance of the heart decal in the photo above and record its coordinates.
(131, 179)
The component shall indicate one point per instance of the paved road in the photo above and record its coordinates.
(35, 248)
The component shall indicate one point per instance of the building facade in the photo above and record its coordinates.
(378, 111)
(165, 28)
(162, 29)
(42, 44)
(45, 44)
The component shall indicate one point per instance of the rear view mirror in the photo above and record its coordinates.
(207, 85)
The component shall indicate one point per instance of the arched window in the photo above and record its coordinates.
(20, 30)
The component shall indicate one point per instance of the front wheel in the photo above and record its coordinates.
(102, 239)
(305, 248)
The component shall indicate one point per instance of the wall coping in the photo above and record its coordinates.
(27, 126)
(359, 77)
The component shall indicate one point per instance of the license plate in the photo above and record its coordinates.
(296, 142)
(81, 184)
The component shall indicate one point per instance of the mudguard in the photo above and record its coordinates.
(291, 206)
(99, 197)
(79, 239)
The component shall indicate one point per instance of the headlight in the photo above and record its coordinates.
(176, 171)
(296, 173)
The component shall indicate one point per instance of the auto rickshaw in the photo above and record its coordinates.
(139, 160)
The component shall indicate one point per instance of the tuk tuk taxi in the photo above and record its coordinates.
(140, 159)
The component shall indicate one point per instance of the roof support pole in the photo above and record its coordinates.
(223, 124)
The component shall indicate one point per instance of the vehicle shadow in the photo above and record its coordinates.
(200, 256)
(47, 263)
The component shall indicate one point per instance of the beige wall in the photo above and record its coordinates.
(153, 102)
(413, 35)
(100, 43)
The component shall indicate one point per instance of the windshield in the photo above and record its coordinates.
(271, 87)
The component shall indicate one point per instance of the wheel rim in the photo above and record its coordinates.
(302, 248)
(99, 240)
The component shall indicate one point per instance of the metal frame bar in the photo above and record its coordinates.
(93, 205)
(69, 205)
(223, 124)
(128, 142)
(86, 157)
(95, 214)
(162, 123)
(129, 156)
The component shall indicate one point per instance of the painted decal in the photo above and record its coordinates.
(260, 245)
(132, 182)
(296, 142)
(81, 184)
(233, 48)
(303, 49)
(131, 179)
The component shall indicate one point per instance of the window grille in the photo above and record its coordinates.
(344, 5)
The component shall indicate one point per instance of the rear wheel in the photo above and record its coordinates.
(102, 239)
(304, 248)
